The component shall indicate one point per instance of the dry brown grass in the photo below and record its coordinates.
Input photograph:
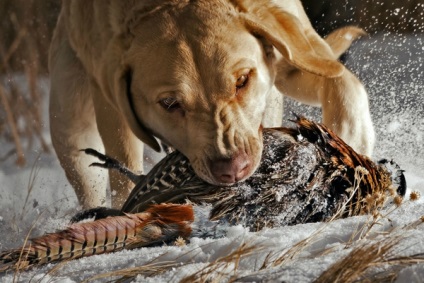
(149, 269)
(372, 250)
(224, 268)
(353, 267)
(21, 265)
(361, 263)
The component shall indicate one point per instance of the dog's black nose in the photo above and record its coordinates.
(231, 170)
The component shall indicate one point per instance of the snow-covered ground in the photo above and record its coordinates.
(38, 199)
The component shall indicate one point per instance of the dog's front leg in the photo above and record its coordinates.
(121, 144)
(345, 109)
(273, 116)
(344, 103)
(72, 123)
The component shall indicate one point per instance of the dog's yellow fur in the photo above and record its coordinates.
(204, 76)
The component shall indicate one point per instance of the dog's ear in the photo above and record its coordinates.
(288, 35)
(124, 99)
(340, 39)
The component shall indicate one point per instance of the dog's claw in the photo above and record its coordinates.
(111, 163)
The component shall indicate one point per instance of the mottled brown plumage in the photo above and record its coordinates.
(306, 174)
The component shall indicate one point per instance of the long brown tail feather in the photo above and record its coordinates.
(159, 223)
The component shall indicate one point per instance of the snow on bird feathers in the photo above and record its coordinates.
(307, 174)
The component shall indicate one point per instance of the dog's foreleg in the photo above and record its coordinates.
(73, 124)
(273, 115)
(345, 109)
(120, 144)
(344, 102)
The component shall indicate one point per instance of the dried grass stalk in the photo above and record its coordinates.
(353, 267)
(149, 269)
(358, 265)
(13, 127)
(222, 268)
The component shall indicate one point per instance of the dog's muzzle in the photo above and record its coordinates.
(228, 171)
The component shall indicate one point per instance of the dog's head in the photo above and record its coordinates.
(196, 74)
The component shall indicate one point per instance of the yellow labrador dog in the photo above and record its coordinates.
(204, 76)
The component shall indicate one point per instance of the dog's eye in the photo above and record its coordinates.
(242, 81)
(170, 104)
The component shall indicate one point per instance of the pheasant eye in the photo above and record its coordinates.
(170, 104)
(242, 81)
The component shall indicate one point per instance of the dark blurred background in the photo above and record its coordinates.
(399, 16)
(26, 28)
(25, 32)
(27, 25)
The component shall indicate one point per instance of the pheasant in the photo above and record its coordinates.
(307, 174)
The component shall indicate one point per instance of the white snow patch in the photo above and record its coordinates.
(394, 126)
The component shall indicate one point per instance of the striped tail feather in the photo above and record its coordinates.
(158, 224)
